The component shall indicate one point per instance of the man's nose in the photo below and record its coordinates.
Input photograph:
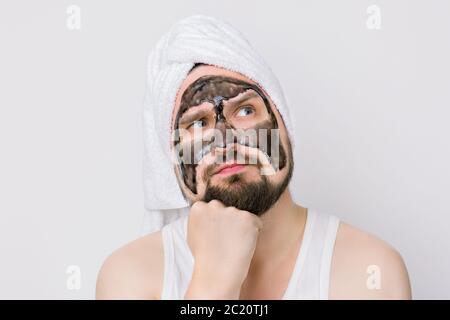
(221, 128)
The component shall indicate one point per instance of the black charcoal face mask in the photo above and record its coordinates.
(223, 113)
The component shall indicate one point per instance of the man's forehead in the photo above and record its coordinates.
(208, 70)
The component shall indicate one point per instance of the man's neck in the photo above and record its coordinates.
(282, 228)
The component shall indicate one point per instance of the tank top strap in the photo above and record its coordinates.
(311, 274)
(327, 255)
(178, 260)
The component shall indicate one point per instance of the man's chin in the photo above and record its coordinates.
(242, 195)
(247, 190)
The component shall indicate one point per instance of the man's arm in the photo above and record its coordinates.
(365, 267)
(134, 271)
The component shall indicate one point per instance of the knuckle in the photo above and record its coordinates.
(214, 202)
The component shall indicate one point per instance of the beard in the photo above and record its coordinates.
(255, 197)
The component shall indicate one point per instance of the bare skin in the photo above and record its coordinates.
(136, 270)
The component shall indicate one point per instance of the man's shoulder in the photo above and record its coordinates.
(366, 267)
(134, 271)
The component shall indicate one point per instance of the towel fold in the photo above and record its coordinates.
(195, 39)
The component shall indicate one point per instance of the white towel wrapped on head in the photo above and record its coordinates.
(196, 39)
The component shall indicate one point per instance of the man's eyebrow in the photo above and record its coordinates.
(243, 97)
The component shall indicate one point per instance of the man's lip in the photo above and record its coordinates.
(221, 168)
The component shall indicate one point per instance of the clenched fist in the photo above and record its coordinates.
(222, 240)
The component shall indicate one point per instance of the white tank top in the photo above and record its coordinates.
(310, 276)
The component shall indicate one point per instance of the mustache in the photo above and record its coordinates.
(240, 154)
(233, 155)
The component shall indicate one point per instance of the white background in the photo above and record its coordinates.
(370, 109)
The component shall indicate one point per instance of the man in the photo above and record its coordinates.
(243, 236)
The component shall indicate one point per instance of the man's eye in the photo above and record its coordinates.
(244, 111)
(197, 124)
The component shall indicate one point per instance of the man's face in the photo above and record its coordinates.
(229, 141)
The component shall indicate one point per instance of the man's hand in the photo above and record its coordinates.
(222, 240)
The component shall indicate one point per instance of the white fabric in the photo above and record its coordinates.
(196, 39)
(310, 278)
